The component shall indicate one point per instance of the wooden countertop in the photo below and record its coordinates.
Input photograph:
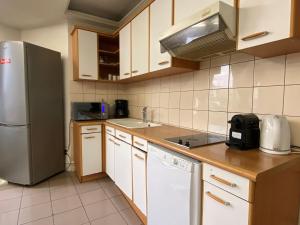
(251, 164)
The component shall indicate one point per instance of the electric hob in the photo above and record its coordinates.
(197, 140)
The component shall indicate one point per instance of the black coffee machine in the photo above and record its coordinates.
(121, 108)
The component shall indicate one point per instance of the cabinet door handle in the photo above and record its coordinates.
(139, 144)
(256, 35)
(86, 75)
(134, 71)
(109, 131)
(122, 136)
(139, 157)
(217, 199)
(126, 74)
(111, 140)
(90, 137)
(117, 144)
(225, 182)
(91, 128)
(163, 63)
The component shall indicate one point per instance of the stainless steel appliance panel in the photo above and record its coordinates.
(15, 154)
(13, 110)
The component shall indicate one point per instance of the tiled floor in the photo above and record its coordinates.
(62, 200)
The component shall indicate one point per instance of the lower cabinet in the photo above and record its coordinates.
(110, 156)
(221, 207)
(139, 179)
(123, 167)
(91, 153)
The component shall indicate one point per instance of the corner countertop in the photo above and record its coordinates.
(251, 164)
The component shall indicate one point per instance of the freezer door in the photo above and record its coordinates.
(12, 84)
(14, 154)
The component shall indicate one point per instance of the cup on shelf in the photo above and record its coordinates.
(110, 76)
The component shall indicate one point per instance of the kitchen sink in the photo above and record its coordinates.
(132, 123)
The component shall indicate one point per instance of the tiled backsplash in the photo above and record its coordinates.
(207, 99)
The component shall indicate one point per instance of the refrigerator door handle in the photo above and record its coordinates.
(12, 125)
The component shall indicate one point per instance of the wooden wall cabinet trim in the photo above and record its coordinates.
(269, 28)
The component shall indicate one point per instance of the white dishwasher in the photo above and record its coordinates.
(173, 188)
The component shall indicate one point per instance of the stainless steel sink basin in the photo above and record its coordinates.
(132, 123)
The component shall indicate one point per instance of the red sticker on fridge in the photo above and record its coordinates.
(5, 61)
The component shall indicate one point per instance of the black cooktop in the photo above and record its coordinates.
(197, 140)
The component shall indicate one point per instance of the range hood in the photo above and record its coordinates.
(209, 32)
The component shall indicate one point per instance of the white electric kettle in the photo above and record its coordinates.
(275, 135)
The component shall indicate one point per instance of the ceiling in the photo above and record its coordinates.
(24, 14)
(108, 9)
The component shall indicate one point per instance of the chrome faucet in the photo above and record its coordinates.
(145, 114)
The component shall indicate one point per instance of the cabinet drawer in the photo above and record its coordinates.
(90, 129)
(230, 182)
(140, 143)
(221, 207)
(110, 130)
(124, 136)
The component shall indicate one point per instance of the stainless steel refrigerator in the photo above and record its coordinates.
(31, 113)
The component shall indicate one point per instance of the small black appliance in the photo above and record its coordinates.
(121, 108)
(89, 111)
(244, 131)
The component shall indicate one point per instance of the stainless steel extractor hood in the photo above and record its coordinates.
(210, 32)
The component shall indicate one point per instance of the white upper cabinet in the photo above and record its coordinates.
(263, 21)
(140, 43)
(160, 21)
(186, 8)
(88, 55)
(125, 52)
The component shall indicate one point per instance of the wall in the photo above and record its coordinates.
(206, 99)
(9, 34)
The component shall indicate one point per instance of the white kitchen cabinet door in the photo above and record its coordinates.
(263, 21)
(140, 43)
(125, 51)
(139, 179)
(160, 21)
(88, 55)
(221, 207)
(91, 153)
(186, 8)
(110, 156)
(123, 167)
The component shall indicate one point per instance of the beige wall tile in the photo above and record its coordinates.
(155, 100)
(76, 97)
(218, 100)
(89, 97)
(89, 87)
(238, 57)
(220, 60)
(268, 100)
(155, 85)
(241, 75)
(240, 100)
(186, 100)
(164, 100)
(76, 87)
(201, 79)
(174, 117)
(155, 114)
(269, 71)
(205, 64)
(165, 84)
(217, 122)
(99, 98)
(148, 100)
(175, 83)
(293, 69)
(200, 101)
(164, 115)
(141, 100)
(186, 118)
(294, 123)
(219, 77)
(292, 100)
(200, 120)
(174, 100)
(187, 81)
